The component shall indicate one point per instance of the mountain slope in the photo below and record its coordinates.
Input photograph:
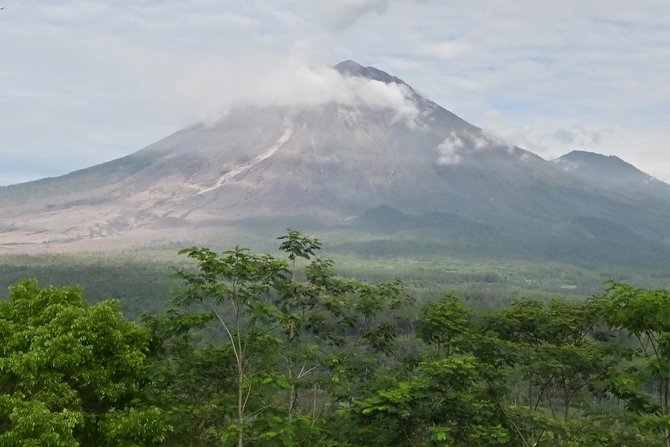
(613, 174)
(331, 165)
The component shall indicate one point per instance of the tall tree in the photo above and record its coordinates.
(558, 361)
(645, 315)
(236, 287)
(287, 333)
(72, 375)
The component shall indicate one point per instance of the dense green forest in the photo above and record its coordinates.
(148, 283)
(279, 350)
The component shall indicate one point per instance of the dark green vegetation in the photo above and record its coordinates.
(143, 281)
(278, 350)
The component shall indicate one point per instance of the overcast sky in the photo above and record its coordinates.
(86, 81)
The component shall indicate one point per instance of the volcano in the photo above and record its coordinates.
(377, 159)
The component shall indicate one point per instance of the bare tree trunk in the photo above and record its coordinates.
(240, 406)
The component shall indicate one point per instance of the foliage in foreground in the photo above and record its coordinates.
(71, 374)
(270, 351)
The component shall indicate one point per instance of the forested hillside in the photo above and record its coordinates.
(269, 350)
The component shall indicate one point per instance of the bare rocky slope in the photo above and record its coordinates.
(414, 178)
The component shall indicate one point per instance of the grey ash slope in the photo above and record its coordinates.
(418, 178)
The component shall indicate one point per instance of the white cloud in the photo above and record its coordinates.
(450, 150)
(578, 136)
(444, 49)
(456, 146)
(342, 14)
(205, 90)
(305, 85)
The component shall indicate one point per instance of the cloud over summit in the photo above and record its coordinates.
(291, 83)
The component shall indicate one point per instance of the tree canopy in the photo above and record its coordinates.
(72, 374)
